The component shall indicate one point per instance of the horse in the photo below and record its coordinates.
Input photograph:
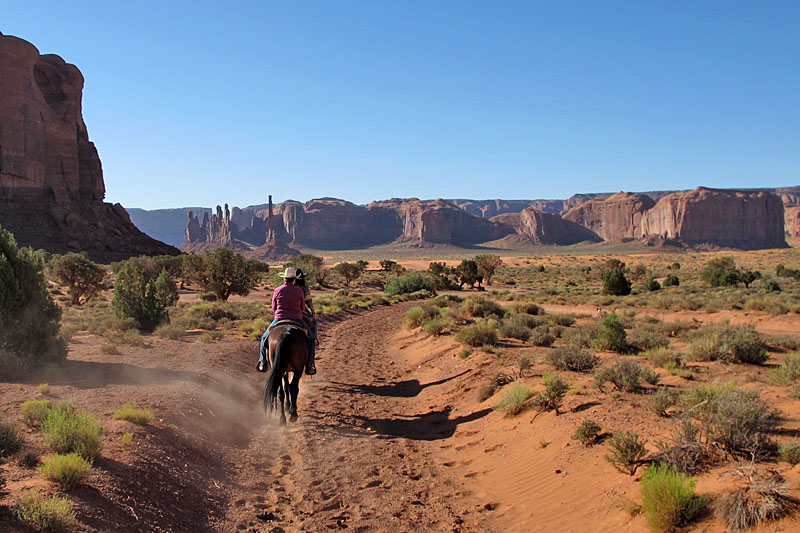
(288, 352)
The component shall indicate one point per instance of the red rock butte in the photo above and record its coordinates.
(51, 178)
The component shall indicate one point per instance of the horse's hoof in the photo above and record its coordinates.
(293, 418)
(283, 421)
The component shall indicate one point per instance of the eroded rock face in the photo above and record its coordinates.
(792, 221)
(535, 227)
(51, 178)
(729, 218)
(617, 217)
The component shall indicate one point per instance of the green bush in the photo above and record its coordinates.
(652, 285)
(662, 400)
(133, 414)
(721, 272)
(513, 399)
(611, 335)
(587, 432)
(660, 357)
(626, 375)
(52, 514)
(67, 429)
(478, 334)
(435, 326)
(82, 276)
(541, 336)
(790, 452)
(647, 336)
(742, 422)
(10, 439)
(481, 306)
(409, 283)
(672, 281)
(555, 390)
(35, 411)
(787, 373)
(417, 316)
(627, 449)
(142, 298)
(515, 329)
(66, 470)
(561, 320)
(668, 498)
(573, 359)
(730, 344)
(29, 319)
(223, 272)
(615, 282)
(170, 331)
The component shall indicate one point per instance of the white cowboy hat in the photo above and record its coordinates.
(290, 273)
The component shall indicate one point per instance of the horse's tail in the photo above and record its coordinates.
(282, 354)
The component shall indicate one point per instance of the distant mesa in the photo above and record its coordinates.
(51, 178)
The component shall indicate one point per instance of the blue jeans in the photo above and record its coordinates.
(312, 345)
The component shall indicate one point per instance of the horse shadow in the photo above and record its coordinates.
(433, 425)
(400, 389)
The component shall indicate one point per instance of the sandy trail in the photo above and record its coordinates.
(361, 455)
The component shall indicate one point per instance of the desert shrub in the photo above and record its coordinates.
(10, 439)
(561, 320)
(764, 498)
(721, 272)
(555, 390)
(580, 337)
(529, 309)
(489, 388)
(742, 421)
(615, 282)
(787, 373)
(515, 329)
(646, 337)
(447, 300)
(210, 336)
(109, 348)
(480, 306)
(142, 298)
(731, 344)
(416, 316)
(626, 375)
(611, 335)
(478, 334)
(770, 285)
(53, 514)
(349, 271)
(33, 412)
(672, 281)
(67, 470)
(81, 275)
(668, 498)
(435, 326)
(170, 331)
(133, 414)
(513, 399)
(662, 400)
(587, 432)
(541, 336)
(787, 342)
(131, 337)
(525, 363)
(790, 452)
(409, 283)
(573, 359)
(67, 429)
(660, 357)
(684, 452)
(627, 449)
(767, 304)
(43, 389)
(29, 319)
(652, 285)
(313, 267)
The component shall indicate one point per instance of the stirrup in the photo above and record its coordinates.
(261, 366)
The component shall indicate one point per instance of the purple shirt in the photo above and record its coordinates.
(288, 302)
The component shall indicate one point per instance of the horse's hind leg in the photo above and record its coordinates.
(288, 392)
(292, 391)
(281, 398)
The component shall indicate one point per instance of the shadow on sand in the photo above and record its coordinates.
(400, 389)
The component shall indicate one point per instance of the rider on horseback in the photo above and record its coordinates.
(288, 303)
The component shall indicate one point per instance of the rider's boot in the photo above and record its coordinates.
(310, 368)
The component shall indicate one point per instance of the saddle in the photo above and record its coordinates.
(292, 324)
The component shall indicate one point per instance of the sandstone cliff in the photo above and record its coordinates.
(617, 217)
(729, 218)
(535, 227)
(792, 221)
(51, 178)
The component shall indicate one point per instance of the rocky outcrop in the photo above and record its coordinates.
(617, 217)
(492, 208)
(717, 217)
(51, 178)
(792, 221)
(535, 227)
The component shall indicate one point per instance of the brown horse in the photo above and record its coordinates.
(288, 352)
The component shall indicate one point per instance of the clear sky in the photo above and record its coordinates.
(197, 103)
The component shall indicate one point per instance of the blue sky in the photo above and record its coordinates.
(201, 103)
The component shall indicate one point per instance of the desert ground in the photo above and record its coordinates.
(396, 432)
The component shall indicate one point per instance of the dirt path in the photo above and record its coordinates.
(361, 455)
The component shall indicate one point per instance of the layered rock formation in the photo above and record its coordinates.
(617, 217)
(792, 221)
(728, 218)
(535, 227)
(51, 178)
